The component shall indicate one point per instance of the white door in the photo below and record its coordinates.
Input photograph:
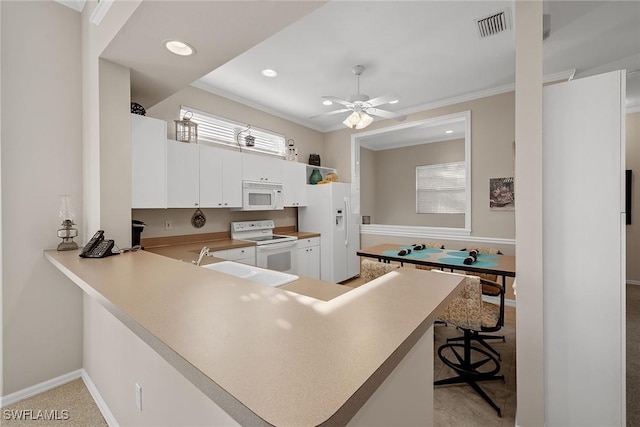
(210, 177)
(231, 179)
(261, 168)
(148, 162)
(183, 178)
(583, 251)
(294, 176)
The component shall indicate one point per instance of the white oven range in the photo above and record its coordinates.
(273, 251)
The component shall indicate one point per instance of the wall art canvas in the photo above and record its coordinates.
(501, 194)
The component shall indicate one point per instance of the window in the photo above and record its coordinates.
(441, 188)
(224, 131)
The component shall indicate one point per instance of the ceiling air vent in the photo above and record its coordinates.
(494, 24)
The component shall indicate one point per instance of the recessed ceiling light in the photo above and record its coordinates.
(448, 131)
(179, 48)
(394, 101)
(268, 72)
(327, 102)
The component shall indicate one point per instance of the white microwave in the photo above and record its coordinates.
(262, 196)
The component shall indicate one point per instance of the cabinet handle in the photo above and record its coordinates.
(196, 204)
(226, 204)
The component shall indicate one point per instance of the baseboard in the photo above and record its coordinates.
(102, 405)
(19, 395)
(633, 282)
(496, 301)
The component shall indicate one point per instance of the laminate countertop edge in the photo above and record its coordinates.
(324, 319)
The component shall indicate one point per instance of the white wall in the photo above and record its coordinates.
(633, 163)
(583, 252)
(41, 81)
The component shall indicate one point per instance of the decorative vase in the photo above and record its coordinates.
(315, 177)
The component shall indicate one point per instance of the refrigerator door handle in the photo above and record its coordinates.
(347, 217)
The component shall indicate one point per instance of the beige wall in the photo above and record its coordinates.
(217, 220)
(633, 163)
(168, 398)
(394, 183)
(492, 156)
(115, 152)
(367, 178)
(41, 80)
(529, 177)
(307, 141)
(94, 40)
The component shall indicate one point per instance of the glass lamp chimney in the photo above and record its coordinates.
(67, 232)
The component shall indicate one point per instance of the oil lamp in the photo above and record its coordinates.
(67, 232)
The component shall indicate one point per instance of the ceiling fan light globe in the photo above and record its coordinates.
(365, 120)
(352, 120)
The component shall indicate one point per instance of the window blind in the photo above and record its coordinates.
(440, 188)
(220, 130)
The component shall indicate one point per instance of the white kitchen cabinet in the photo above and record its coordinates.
(148, 162)
(261, 168)
(294, 183)
(183, 176)
(246, 255)
(309, 257)
(220, 178)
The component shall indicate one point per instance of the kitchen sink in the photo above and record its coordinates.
(250, 272)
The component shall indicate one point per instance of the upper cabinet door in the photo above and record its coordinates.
(220, 178)
(232, 179)
(261, 168)
(294, 182)
(183, 180)
(148, 162)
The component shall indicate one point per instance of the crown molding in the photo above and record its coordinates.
(76, 5)
(563, 75)
(100, 11)
(211, 89)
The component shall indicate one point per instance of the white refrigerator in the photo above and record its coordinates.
(329, 213)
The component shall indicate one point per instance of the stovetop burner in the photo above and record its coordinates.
(266, 238)
(260, 232)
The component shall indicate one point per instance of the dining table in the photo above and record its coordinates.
(444, 259)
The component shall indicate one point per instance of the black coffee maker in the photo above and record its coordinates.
(137, 227)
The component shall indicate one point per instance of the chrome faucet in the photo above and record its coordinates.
(203, 252)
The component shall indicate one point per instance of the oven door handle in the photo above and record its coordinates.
(276, 246)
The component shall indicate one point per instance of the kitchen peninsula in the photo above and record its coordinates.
(268, 356)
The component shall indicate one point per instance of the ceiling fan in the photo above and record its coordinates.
(361, 106)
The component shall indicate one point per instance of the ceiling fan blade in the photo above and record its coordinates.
(386, 114)
(343, 110)
(336, 100)
(382, 100)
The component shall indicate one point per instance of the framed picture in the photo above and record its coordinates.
(501, 194)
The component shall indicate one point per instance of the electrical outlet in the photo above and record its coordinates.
(139, 396)
(168, 225)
